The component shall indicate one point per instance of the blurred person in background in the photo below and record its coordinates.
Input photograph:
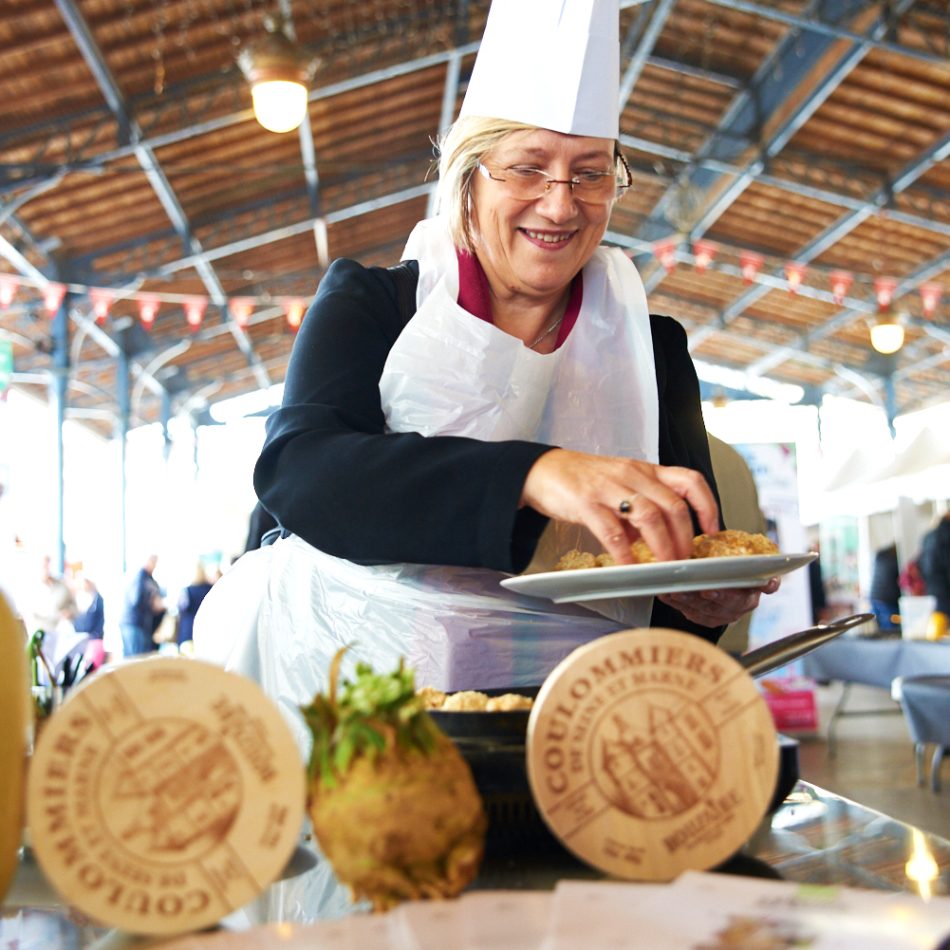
(911, 581)
(188, 603)
(90, 608)
(885, 588)
(49, 601)
(90, 618)
(816, 586)
(142, 611)
(49, 615)
(935, 564)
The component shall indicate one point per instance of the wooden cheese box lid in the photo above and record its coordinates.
(164, 794)
(651, 752)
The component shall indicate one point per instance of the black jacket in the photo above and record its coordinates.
(329, 472)
(885, 584)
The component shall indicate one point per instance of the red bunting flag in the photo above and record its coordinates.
(8, 288)
(794, 274)
(295, 310)
(930, 295)
(53, 295)
(241, 309)
(665, 253)
(841, 281)
(148, 310)
(704, 252)
(101, 302)
(195, 311)
(750, 263)
(884, 288)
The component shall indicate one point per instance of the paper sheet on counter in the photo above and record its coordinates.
(709, 911)
(698, 911)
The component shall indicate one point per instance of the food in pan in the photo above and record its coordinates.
(393, 803)
(727, 543)
(470, 700)
(508, 702)
(431, 697)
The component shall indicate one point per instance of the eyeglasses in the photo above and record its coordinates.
(526, 183)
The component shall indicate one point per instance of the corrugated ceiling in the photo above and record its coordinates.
(803, 131)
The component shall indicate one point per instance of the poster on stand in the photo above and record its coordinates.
(789, 694)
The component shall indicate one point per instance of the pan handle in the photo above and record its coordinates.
(770, 657)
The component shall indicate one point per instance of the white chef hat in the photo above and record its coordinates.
(550, 63)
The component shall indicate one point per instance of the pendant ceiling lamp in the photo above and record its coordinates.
(279, 73)
(887, 333)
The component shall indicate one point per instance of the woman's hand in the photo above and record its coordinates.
(620, 500)
(715, 608)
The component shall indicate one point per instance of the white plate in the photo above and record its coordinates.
(666, 577)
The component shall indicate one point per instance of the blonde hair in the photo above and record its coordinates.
(459, 150)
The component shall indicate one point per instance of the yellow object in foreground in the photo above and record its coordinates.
(14, 702)
(937, 626)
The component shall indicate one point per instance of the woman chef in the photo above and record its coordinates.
(519, 403)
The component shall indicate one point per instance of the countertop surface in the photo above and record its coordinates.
(814, 837)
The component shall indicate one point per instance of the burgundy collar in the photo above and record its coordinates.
(474, 296)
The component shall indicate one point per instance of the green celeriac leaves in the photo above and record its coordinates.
(367, 716)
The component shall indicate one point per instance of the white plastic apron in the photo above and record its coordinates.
(452, 373)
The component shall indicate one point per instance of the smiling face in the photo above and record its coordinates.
(533, 249)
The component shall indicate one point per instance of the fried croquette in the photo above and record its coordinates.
(641, 552)
(468, 700)
(579, 560)
(732, 543)
(431, 697)
(576, 560)
(727, 543)
(471, 700)
(508, 702)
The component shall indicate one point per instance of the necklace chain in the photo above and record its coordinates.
(547, 332)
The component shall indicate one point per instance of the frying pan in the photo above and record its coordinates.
(509, 728)
(493, 744)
